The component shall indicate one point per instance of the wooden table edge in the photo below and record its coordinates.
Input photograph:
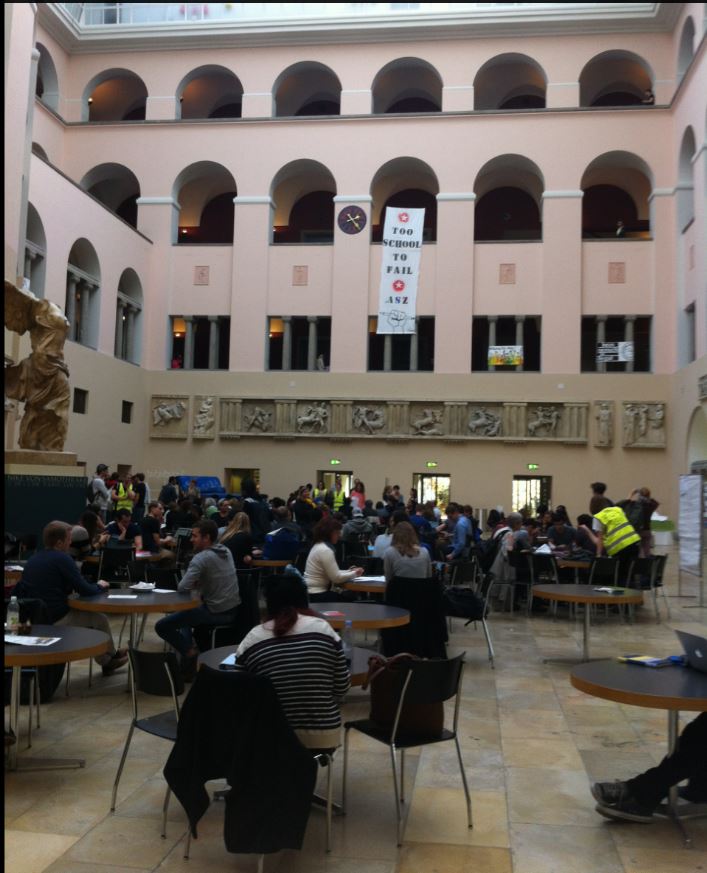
(637, 698)
(123, 606)
(367, 623)
(593, 597)
(18, 659)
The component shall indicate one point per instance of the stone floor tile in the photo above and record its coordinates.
(565, 849)
(552, 797)
(650, 860)
(425, 858)
(438, 815)
(131, 842)
(32, 852)
(559, 754)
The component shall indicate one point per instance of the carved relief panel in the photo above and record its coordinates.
(604, 417)
(204, 423)
(485, 421)
(169, 416)
(643, 425)
(426, 420)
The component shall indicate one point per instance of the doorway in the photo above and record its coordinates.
(233, 480)
(328, 477)
(432, 487)
(529, 492)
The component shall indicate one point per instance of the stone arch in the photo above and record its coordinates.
(302, 193)
(113, 94)
(508, 192)
(35, 264)
(614, 78)
(510, 81)
(47, 86)
(117, 187)
(128, 320)
(686, 181)
(204, 191)
(404, 182)
(617, 187)
(83, 290)
(407, 85)
(686, 48)
(306, 88)
(210, 91)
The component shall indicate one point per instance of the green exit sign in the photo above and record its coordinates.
(335, 462)
(431, 464)
(533, 466)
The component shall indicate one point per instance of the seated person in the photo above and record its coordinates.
(560, 534)
(93, 524)
(80, 547)
(51, 576)
(122, 531)
(404, 556)
(238, 540)
(358, 529)
(321, 571)
(181, 517)
(299, 652)
(284, 541)
(213, 574)
(152, 541)
(637, 799)
(585, 538)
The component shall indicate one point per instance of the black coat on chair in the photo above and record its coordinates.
(426, 634)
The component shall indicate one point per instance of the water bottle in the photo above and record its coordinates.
(348, 642)
(13, 616)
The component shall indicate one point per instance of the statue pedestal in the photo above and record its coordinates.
(41, 487)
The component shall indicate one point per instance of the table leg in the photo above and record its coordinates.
(672, 805)
(585, 642)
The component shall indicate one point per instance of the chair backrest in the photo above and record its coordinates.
(162, 577)
(114, 563)
(137, 571)
(604, 570)
(543, 568)
(155, 673)
(248, 588)
(661, 561)
(426, 634)
(642, 572)
(464, 572)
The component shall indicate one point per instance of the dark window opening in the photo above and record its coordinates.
(507, 214)
(506, 336)
(618, 98)
(80, 401)
(413, 104)
(136, 114)
(320, 107)
(401, 347)
(228, 110)
(126, 412)
(311, 220)
(201, 343)
(299, 327)
(128, 210)
(216, 225)
(615, 332)
(411, 198)
(610, 212)
(524, 101)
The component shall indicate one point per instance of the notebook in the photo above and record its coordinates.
(695, 650)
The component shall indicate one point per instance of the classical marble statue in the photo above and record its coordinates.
(605, 417)
(313, 419)
(258, 419)
(487, 422)
(368, 419)
(165, 412)
(205, 418)
(428, 425)
(41, 381)
(546, 419)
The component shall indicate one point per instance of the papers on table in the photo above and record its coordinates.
(163, 591)
(369, 579)
(142, 553)
(609, 590)
(18, 567)
(15, 639)
(646, 660)
(229, 662)
(543, 550)
(143, 586)
(122, 597)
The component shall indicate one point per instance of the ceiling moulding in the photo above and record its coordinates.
(495, 22)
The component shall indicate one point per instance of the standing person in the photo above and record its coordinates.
(123, 495)
(51, 575)
(649, 507)
(358, 495)
(320, 492)
(599, 499)
(616, 536)
(213, 574)
(193, 492)
(100, 495)
(152, 539)
(357, 529)
(239, 541)
(335, 496)
(169, 493)
(140, 489)
(306, 512)
(321, 572)
(256, 509)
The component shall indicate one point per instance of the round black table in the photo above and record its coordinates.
(365, 616)
(671, 688)
(74, 644)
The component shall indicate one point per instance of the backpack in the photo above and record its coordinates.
(90, 493)
(635, 513)
(461, 602)
(281, 545)
(486, 550)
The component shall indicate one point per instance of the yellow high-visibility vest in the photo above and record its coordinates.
(123, 501)
(618, 530)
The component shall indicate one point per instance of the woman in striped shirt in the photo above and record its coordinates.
(303, 658)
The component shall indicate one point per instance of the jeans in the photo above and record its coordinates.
(176, 627)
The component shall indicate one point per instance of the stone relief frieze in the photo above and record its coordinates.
(426, 421)
(368, 419)
(543, 421)
(643, 425)
(313, 418)
(484, 422)
(258, 419)
(604, 415)
(169, 416)
(204, 426)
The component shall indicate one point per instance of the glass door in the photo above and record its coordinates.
(529, 492)
(328, 476)
(432, 487)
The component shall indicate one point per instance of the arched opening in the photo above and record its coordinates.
(306, 88)
(210, 91)
(508, 208)
(510, 81)
(407, 85)
(83, 288)
(128, 318)
(205, 192)
(303, 192)
(686, 49)
(615, 78)
(697, 440)
(409, 183)
(615, 205)
(116, 187)
(686, 182)
(35, 266)
(39, 151)
(114, 95)
(47, 86)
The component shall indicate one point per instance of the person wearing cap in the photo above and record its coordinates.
(80, 547)
(100, 495)
(358, 528)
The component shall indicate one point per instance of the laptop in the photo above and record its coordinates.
(695, 650)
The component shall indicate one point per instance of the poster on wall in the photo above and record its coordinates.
(690, 524)
(400, 269)
(500, 356)
(609, 353)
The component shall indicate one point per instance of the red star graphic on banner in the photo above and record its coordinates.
(398, 285)
(404, 217)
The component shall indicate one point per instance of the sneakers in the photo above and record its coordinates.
(119, 659)
(616, 801)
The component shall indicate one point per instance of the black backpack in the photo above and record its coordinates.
(461, 602)
(486, 550)
(90, 493)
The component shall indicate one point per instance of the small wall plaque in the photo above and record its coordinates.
(617, 272)
(300, 275)
(201, 275)
(507, 274)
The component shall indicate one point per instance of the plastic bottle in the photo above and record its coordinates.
(13, 615)
(348, 642)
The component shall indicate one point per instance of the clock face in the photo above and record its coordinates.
(352, 219)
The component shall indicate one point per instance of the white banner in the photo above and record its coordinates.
(690, 524)
(607, 353)
(400, 269)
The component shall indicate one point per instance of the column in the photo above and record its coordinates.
(413, 348)
(189, 342)
(312, 343)
(601, 338)
(667, 271)
(119, 329)
(130, 315)
(387, 352)
(286, 342)
(520, 321)
(492, 319)
(213, 342)
(29, 257)
(85, 291)
(71, 286)
(629, 323)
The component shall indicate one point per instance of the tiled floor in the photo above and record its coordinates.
(531, 744)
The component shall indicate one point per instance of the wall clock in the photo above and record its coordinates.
(352, 219)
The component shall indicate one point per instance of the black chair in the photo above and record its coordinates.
(162, 577)
(354, 551)
(426, 634)
(646, 574)
(543, 569)
(604, 571)
(113, 567)
(420, 682)
(152, 673)
(137, 572)
(467, 573)
(247, 614)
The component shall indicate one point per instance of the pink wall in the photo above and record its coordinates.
(635, 296)
(211, 299)
(522, 298)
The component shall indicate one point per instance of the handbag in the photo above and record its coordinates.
(386, 677)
